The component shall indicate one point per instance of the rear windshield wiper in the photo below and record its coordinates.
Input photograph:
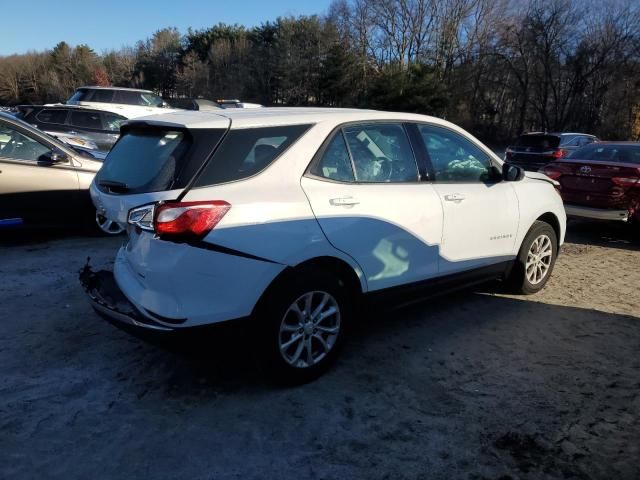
(114, 186)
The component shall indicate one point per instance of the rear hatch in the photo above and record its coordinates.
(152, 162)
(533, 151)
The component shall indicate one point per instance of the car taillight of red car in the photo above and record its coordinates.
(551, 172)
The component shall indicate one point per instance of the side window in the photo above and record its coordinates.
(335, 163)
(82, 119)
(566, 141)
(246, 152)
(102, 96)
(453, 157)
(381, 153)
(112, 122)
(52, 116)
(17, 146)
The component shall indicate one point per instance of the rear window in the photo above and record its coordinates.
(608, 153)
(538, 141)
(52, 116)
(154, 159)
(246, 152)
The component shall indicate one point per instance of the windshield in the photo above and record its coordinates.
(608, 153)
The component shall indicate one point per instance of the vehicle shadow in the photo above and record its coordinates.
(36, 236)
(515, 385)
(605, 234)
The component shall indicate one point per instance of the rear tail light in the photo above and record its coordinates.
(559, 153)
(551, 172)
(626, 181)
(508, 153)
(184, 220)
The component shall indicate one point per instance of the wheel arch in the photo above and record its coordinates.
(346, 273)
(552, 219)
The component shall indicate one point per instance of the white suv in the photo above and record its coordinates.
(292, 216)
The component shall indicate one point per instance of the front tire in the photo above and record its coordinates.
(535, 261)
(301, 326)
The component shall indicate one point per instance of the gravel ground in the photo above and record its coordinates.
(475, 385)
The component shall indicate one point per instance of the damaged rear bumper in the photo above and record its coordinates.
(109, 301)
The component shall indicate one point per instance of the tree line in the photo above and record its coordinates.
(496, 67)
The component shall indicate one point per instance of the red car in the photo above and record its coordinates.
(600, 181)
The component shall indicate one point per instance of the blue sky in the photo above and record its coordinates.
(107, 24)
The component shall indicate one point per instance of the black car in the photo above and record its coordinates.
(532, 151)
(100, 126)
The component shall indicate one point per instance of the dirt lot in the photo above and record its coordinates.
(475, 385)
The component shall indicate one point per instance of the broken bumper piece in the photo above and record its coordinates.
(109, 301)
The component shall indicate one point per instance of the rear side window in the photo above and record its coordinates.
(542, 142)
(335, 163)
(381, 153)
(246, 152)
(82, 119)
(52, 116)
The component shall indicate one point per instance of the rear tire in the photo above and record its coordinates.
(535, 261)
(105, 227)
(301, 326)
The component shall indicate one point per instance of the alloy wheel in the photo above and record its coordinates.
(309, 329)
(108, 226)
(539, 259)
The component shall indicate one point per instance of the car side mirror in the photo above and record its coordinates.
(512, 173)
(55, 156)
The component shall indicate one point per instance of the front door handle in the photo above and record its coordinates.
(343, 202)
(454, 197)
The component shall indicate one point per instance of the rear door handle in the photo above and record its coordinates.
(343, 202)
(454, 197)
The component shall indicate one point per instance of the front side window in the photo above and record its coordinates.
(82, 119)
(112, 122)
(335, 163)
(246, 152)
(56, 116)
(18, 146)
(102, 96)
(381, 153)
(453, 157)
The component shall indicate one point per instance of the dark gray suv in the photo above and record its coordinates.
(100, 126)
(532, 151)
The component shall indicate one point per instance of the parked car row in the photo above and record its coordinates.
(95, 114)
(534, 150)
(598, 180)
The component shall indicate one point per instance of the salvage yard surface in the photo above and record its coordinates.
(476, 385)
